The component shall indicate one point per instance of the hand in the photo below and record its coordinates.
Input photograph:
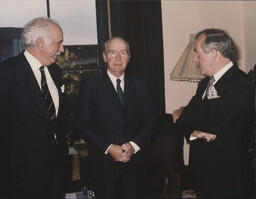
(176, 114)
(128, 151)
(207, 136)
(116, 153)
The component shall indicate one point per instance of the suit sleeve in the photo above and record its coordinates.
(3, 93)
(148, 116)
(219, 114)
(85, 126)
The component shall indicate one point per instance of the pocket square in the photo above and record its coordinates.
(212, 93)
(62, 88)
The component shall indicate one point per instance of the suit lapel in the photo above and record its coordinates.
(54, 74)
(201, 87)
(220, 84)
(29, 86)
(128, 88)
(109, 89)
(132, 94)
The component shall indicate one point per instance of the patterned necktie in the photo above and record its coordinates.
(120, 92)
(210, 83)
(46, 95)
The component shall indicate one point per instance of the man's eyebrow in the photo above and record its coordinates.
(117, 50)
(61, 41)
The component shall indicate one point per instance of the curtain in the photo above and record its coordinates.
(140, 23)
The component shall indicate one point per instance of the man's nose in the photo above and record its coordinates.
(61, 49)
(118, 56)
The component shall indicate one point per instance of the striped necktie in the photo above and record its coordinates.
(46, 95)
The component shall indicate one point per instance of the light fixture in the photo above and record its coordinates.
(185, 69)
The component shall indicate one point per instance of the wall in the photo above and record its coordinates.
(77, 18)
(182, 18)
(250, 30)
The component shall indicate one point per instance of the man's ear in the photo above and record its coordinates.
(215, 53)
(40, 42)
(218, 55)
(104, 57)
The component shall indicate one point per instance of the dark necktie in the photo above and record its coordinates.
(119, 91)
(210, 83)
(46, 95)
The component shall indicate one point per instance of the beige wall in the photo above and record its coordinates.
(182, 18)
(250, 33)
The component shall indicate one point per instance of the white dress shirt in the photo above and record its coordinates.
(35, 65)
(113, 80)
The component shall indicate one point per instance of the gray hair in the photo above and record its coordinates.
(37, 28)
(217, 39)
(117, 37)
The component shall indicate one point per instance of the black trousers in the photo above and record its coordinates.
(116, 183)
(55, 188)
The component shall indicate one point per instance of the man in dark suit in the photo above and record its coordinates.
(32, 146)
(220, 117)
(116, 119)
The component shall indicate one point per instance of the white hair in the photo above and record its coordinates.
(37, 28)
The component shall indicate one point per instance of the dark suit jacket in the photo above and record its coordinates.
(221, 164)
(27, 146)
(103, 121)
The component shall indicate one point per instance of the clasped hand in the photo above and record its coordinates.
(203, 135)
(121, 153)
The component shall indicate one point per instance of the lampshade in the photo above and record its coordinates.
(185, 69)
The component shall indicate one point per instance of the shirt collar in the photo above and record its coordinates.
(221, 72)
(33, 62)
(114, 78)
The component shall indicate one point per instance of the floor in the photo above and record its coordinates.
(186, 194)
(74, 183)
(74, 192)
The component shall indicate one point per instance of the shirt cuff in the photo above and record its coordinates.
(106, 152)
(135, 146)
(192, 138)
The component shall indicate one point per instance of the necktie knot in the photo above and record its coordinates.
(118, 81)
(211, 81)
(41, 69)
